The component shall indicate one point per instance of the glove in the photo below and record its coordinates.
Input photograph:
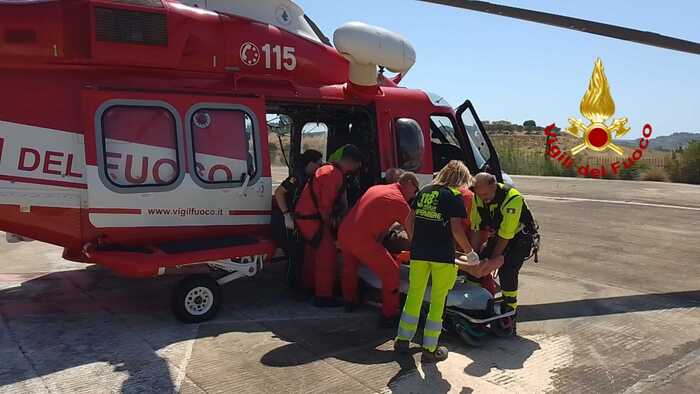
(472, 258)
(289, 221)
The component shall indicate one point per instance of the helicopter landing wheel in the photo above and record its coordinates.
(196, 299)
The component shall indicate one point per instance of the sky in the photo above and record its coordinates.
(516, 70)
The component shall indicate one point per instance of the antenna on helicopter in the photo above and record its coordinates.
(583, 25)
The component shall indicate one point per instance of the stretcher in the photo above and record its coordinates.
(471, 312)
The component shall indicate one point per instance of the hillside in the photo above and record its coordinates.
(521, 149)
(667, 142)
(663, 143)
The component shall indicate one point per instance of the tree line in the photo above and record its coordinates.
(684, 165)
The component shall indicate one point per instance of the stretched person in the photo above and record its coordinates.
(361, 235)
(484, 279)
(434, 225)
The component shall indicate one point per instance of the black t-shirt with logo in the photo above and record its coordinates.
(434, 206)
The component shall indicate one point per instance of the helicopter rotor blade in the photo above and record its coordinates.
(566, 22)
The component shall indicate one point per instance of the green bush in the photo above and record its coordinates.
(633, 172)
(684, 165)
(655, 175)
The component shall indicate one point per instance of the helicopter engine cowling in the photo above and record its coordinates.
(367, 47)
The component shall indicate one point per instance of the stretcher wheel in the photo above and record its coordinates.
(196, 299)
(470, 334)
(470, 340)
(504, 327)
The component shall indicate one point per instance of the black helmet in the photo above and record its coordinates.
(354, 153)
(309, 156)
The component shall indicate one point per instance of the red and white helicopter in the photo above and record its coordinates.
(133, 133)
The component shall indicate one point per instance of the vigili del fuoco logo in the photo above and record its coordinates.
(597, 135)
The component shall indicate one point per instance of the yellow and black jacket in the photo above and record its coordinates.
(507, 213)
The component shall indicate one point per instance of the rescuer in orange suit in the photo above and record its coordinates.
(317, 213)
(360, 237)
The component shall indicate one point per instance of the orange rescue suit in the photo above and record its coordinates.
(320, 261)
(360, 237)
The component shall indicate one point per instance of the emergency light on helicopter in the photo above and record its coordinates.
(133, 133)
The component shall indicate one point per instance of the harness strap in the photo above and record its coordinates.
(530, 227)
(316, 240)
(489, 220)
(314, 216)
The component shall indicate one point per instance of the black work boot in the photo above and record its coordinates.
(327, 302)
(389, 321)
(402, 346)
(506, 327)
(514, 318)
(439, 354)
(350, 307)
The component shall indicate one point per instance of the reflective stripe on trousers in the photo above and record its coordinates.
(510, 298)
(407, 326)
(443, 279)
(431, 333)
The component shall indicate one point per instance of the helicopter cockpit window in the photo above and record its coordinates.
(223, 144)
(409, 144)
(140, 146)
(482, 154)
(444, 141)
(443, 131)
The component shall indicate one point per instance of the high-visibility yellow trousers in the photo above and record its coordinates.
(443, 277)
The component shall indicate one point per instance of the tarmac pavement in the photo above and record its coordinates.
(612, 306)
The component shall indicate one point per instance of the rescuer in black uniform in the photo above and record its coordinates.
(502, 211)
(284, 228)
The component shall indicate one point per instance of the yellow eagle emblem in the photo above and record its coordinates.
(597, 106)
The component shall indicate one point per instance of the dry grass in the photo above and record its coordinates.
(525, 155)
(518, 151)
(656, 175)
(317, 142)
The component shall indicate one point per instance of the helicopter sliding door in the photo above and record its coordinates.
(177, 165)
(404, 135)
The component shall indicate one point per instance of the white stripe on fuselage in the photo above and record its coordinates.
(46, 167)
(38, 152)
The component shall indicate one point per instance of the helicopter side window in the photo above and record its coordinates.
(444, 141)
(409, 144)
(279, 132)
(139, 146)
(314, 135)
(223, 145)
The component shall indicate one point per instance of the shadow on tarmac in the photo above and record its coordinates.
(47, 325)
(609, 306)
(511, 355)
(65, 320)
